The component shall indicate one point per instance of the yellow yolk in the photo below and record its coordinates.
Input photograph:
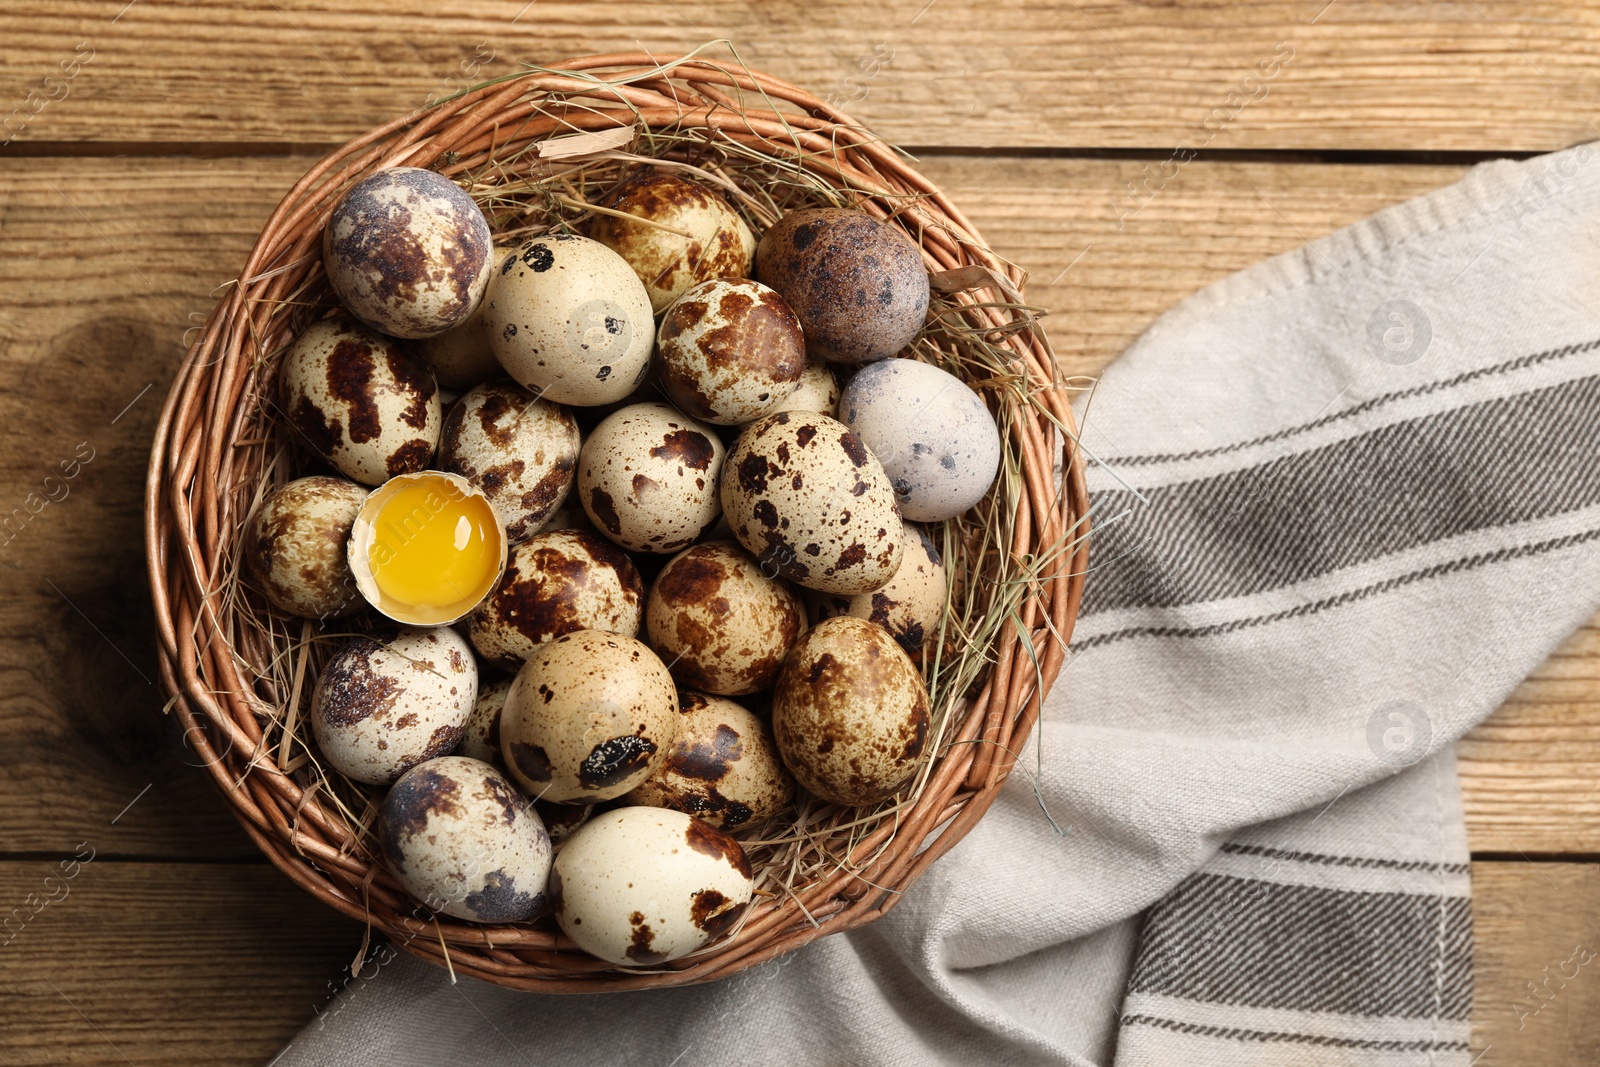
(435, 550)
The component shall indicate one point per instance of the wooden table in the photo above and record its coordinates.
(152, 139)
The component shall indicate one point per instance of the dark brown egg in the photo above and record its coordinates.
(858, 285)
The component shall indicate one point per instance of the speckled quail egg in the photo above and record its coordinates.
(461, 839)
(589, 716)
(719, 623)
(858, 285)
(408, 252)
(724, 767)
(520, 451)
(295, 547)
(647, 477)
(568, 319)
(556, 583)
(461, 356)
(850, 712)
(639, 886)
(911, 606)
(817, 391)
(811, 502)
(730, 351)
(359, 400)
(932, 433)
(480, 739)
(383, 705)
(668, 263)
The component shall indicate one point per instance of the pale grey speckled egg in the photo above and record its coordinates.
(522, 452)
(910, 607)
(809, 500)
(817, 390)
(933, 434)
(461, 839)
(589, 716)
(850, 712)
(408, 252)
(360, 400)
(647, 477)
(295, 547)
(724, 767)
(639, 886)
(730, 351)
(384, 705)
(555, 583)
(569, 319)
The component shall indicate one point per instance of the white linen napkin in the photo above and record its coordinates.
(1346, 500)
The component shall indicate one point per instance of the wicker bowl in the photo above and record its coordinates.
(531, 149)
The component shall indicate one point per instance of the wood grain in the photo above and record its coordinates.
(98, 303)
(1345, 75)
(162, 963)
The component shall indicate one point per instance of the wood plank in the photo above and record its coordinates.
(1352, 74)
(162, 963)
(1537, 965)
(97, 304)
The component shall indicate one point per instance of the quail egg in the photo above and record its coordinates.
(568, 319)
(911, 606)
(932, 433)
(459, 837)
(668, 263)
(730, 351)
(361, 401)
(850, 712)
(520, 451)
(858, 285)
(805, 496)
(817, 391)
(481, 737)
(589, 716)
(719, 623)
(461, 357)
(384, 705)
(408, 252)
(639, 886)
(647, 476)
(556, 583)
(296, 547)
(724, 767)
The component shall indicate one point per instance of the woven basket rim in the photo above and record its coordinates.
(191, 519)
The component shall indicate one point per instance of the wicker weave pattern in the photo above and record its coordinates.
(210, 460)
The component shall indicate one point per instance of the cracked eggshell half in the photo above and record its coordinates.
(569, 320)
(639, 886)
(382, 706)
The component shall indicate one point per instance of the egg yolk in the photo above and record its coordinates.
(434, 547)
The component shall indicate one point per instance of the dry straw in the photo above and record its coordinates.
(534, 150)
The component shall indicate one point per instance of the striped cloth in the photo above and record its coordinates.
(1346, 500)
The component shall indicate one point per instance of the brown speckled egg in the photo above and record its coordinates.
(647, 477)
(520, 451)
(481, 737)
(640, 886)
(295, 547)
(561, 821)
(724, 767)
(817, 391)
(730, 351)
(359, 400)
(809, 499)
(669, 263)
(462, 840)
(850, 712)
(569, 319)
(719, 623)
(408, 252)
(910, 606)
(858, 285)
(556, 583)
(589, 716)
(384, 705)
(461, 356)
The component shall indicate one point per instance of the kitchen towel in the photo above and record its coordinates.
(1345, 501)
